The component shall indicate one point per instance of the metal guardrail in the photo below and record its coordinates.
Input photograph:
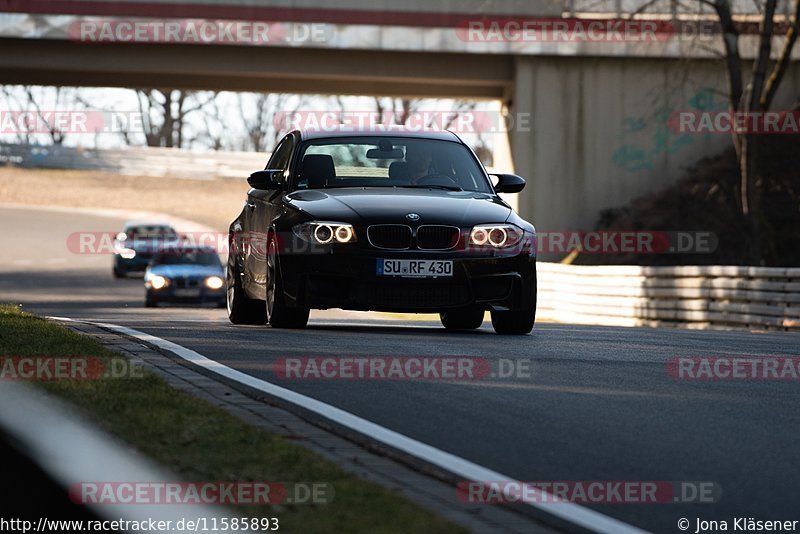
(725, 297)
(136, 161)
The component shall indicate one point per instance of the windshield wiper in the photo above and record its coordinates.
(433, 186)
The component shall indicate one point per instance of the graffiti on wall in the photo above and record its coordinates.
(658, 138)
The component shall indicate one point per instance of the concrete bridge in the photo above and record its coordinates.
(602, 106)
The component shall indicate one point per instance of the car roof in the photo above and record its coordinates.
(191, 249)
(131, 224)
(385, 131)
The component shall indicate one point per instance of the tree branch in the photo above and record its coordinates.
(774, 81)
(730, 38)
(764, 52)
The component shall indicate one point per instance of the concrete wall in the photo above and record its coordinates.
(600, 134)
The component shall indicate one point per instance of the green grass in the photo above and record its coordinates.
(200, 442)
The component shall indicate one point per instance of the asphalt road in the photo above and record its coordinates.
(599, 403)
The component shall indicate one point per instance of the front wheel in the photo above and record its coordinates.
(279, 313)
(463, 319)
(514, 323)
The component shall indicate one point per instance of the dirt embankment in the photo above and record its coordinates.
(707, 199)
(211, 202)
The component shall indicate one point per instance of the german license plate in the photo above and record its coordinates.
(415, 268)
(187, 293)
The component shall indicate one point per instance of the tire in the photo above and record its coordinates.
(118, 273)
(150, 303)
(514, 323)
(462, 319)
(280, 314)
(241, 308)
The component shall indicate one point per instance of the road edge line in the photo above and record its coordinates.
(565, 511)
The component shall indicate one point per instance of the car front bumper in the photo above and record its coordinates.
(174, 295)
(348, 279)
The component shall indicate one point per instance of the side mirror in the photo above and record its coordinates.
(268, 179)
(509, 183)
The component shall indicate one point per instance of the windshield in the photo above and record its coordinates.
(150, 232)
(388, 162)
(187, 258)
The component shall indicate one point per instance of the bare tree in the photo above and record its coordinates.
(213, 133)
(397, 110)
(754, 96)
(263, 115)
(39, 103)
(12, 101)
(164, 114)
(402, 110)
(750, 94)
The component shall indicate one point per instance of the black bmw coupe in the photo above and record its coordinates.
(384, 220)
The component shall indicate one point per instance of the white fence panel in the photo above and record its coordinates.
(687, 296)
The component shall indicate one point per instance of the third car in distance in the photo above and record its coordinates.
(384, 220)
(185, 274)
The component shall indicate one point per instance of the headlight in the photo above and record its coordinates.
(495, 235)
(214, 282)
(127, 253)
(323, 233)
(158, 282)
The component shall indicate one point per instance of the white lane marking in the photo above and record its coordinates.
(22, 262)
(465, 469)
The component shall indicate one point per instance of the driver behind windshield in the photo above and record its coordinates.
(419, 158)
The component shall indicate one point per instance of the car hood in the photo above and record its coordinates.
(186, 271)
(149, 245)
(392, 205)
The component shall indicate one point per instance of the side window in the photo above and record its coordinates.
(281, 155)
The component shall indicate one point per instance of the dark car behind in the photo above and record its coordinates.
(138, 244)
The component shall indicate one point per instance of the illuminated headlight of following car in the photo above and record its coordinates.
(158, 282)
(495, 235)
(121, 249)
(214, 282)
(127, 253)
(323, 233)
